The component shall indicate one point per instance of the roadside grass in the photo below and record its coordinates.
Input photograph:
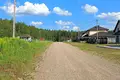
(110, 54)
(17, 57)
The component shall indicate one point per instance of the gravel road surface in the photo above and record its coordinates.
(62, 61)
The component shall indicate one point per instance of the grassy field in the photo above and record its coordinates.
(110, 54)
(17, 57)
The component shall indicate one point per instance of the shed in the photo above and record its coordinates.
(26, 37)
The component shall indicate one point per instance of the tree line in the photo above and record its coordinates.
(36, 33)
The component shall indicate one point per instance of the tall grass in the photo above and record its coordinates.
(16, 57)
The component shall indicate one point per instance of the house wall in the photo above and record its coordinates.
(111, 39)
(94, 32)
(117, 38)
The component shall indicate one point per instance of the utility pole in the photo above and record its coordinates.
(78, 33)
(97, 25)
(14, 18)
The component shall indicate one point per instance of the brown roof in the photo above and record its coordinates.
(95, 28)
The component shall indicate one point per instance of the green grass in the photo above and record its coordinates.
(110, 54)
(17, 57)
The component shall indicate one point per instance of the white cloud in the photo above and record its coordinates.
(110, 15)
(64, 23)
(111, 18)
(76, 28)
(67, 25)
(28, 9)
(61, 12)
(36, 23)
(90, 9)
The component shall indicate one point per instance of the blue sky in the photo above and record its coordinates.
(63, 14)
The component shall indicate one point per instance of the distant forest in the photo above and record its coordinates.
(36, 33)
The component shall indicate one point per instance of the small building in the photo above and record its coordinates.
(117, 32)
(26, 37)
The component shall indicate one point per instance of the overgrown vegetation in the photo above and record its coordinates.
(110, 54)
(17, 56)
(22, 29)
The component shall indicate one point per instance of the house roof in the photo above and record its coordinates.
(103, 34)
(116, 25)
(95, 28)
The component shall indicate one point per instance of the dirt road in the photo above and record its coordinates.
(65, 62)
